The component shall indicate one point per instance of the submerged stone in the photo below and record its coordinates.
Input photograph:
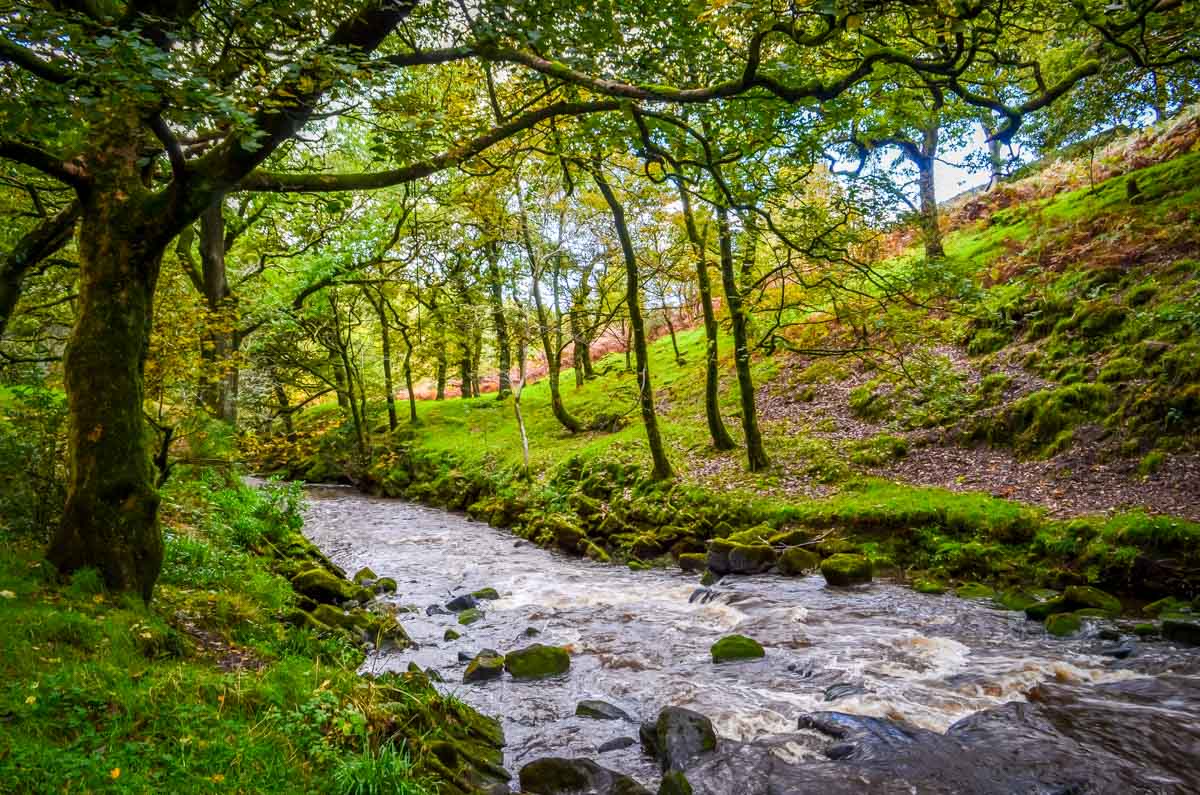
(844, 569)
(537, 661)
(797, 560)
(600, 710)
(736, 647)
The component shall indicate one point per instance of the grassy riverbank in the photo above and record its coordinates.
(212, 688)
(1047, 435)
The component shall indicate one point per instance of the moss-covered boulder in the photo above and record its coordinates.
(674, 783)
(488, 664)
(929, 586)
(596, 552)
(365, 575)
(384, 585)
(729, 557)
(678, 737)
(569, 538)
(485, 594)
(537, 661)
(1168, 605)
(795, 561)
(559, 776)
(1145, 630)
(693, 561)
(1016, 599)
(1083, 596)
(1182, 628)
(1063, 624)
(336, 617)
(974, 590)
(736, 647)
(450, 635)
(844, 569)
(1040, 611)
(323, 586)
(470, 616)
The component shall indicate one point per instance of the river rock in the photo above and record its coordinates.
(384, 585)
(1083, 596)
(616, 744)
(1063, 624)
(450, 635)
(674, 783)
(929, 587)
(1182, 628)
(736, 647)
(1040, 611)
(537, 661)
(1167, 605)
(678, 737)
(844, 569)
(560, 776)
(693, 561)
(461, 603)
(470, 616)
(485, 593)
(488, 664)
(974, 590)
(798, 560)
(600, 710)
(365, 576)
(323, 586)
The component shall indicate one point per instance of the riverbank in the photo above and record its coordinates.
(221, 684)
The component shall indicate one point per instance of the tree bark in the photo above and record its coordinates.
(110, 520)
(931, 230)
(385, 341)
(756, 456)
(408, 379)
(658, 454)
(219, 373)
(712, 408)
(500, 323)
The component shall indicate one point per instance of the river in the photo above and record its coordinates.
(636, 641)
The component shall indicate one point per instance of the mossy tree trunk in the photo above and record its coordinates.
(658, 454)
(499, 322)
(408, 375)
(219, 373)
(756, 455)
(110, 519)
(712, 407)
(931, 230)
(379, 303)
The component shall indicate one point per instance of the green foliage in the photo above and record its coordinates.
(383, 771)
(32, 460)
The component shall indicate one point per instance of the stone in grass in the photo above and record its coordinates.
(470, 616)
(537, 661)
(928, 586)
(1081, 596)
(736, 647)
(364, 575)
(844, 569)
(797, 560)
(600, 710)
(1063, 624)
(488, 664)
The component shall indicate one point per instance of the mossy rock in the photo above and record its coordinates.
(1016, 599)
(843, 570)
(488, 664)
(836, 546)
(486, 593)
(365, 574)
(709, 577)
(384, 585)
(674, 782)
(336, 617)
(595, 552)
(1181, 628)
(637, 565)
(693, 561)
(323, 586)
(537, 662)
(470, 616)
(1145, 630)
(1043, 610)
(450, 635)
(929, 586)
(1063, 624)
(1093, 612)
(974, 590)
(1168, 605)
(1083, 596)
(797, 560)
(736, 647)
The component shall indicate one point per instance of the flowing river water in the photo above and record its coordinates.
(1124, 715)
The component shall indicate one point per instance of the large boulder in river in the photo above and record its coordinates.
(844, 569)
(730, 557)
(736, 647)
(678, 738)
(1182, 628)
(560, 776)
(1083, 596)
(323, 586)
(537, 661)
(674, 783)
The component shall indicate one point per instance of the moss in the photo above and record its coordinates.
(974, 590)
(1063, 624)
(869, 402)
(844, 569)
(1037, 422)
(929, 586)
(385, 585)
(1044, 609)
(323, 586)
(1016, 600)
(987, 340)
(364, 574)
(1145, 630)
(736, 647)
(674, 782)
(470, 616)
(1082, 596)
(1151, 463)
(878, 450)
(798, 560)
(486, 593)
(450, 635)
(537, 662)
(486, 665)
(1168, 605)
(693, 561)
(1122, 368)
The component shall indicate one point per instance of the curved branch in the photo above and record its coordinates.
(42, 160)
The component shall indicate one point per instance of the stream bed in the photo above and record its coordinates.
(1025, 712)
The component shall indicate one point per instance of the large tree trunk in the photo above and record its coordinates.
(756, 456)
(110, 520)
(931, 231)
(658, 454)
(500, 323)
(712, 407)
(219, 373)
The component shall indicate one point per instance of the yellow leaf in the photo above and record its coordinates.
(217, 778)
(31, 699)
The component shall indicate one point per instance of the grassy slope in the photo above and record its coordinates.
(102, 694)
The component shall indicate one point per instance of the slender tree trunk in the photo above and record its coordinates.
(499, 323)
(658, 454)
(666, 310)
(385, 341)
(464, 371)
(50, 235)
(712, 407)
(577, 347)
(585, 355)
(285, 407)
(219, 373)
(476, 360)
(408, 379)
(339, 380)
(110, 520)
(930, 223)
(756, 456)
